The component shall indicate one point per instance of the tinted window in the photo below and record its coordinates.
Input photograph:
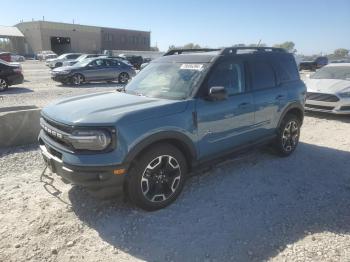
(72, 56)
(98, 63)
(229, 75)
(262, 74)
(285, 68)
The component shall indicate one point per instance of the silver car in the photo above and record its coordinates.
(328, 89)
(94, 69)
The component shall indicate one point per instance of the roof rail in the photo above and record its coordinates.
(184, 50)
(233, 50)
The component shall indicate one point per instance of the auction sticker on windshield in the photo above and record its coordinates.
(198, 67)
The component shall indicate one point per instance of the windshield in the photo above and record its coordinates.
(83, 63)
(62, 56)
(333, 72)
(165, 80)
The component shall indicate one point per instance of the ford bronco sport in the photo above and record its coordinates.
(181, 111)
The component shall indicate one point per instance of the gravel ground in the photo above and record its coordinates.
(255, 207)
(38, 89)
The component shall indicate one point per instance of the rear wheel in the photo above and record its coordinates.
(288, 135)
(3, 84)
(158, 177)
(123, 78)
(77, 79)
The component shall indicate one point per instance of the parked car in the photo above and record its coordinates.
(5, 56)
(328, 89)
(17, 58)
(94, 69)
(134, 60)
(179, 112)
(80, 58)
(57, 62)
(313, 65)
(47, 54)
(10, 74)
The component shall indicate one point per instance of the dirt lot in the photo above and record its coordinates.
(256, 207)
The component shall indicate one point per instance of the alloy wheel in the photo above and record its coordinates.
(161, 178)
(123, 78)
(77, 79)
(290, 136)
(3, 84)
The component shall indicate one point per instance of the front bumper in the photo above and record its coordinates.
(341, 107)
(60, 78)
(98, 180)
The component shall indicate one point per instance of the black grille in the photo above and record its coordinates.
(321, 97)
(344, 108)
(64, 128)
(56, 129)
(320, 107)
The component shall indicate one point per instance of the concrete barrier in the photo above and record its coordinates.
(19, 128)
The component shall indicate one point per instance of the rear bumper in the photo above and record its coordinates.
(15, 79)
(99, 180)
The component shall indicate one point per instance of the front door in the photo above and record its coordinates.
(225, 124)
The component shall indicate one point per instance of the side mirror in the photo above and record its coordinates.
(217, 93)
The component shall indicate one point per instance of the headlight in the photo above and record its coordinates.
(344, 94)
(62, 72)
(90, 139)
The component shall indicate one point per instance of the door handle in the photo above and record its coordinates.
(280, 97)
(243, 105)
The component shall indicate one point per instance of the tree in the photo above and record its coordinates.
(341, 52)
(288, 46)
(191, 46)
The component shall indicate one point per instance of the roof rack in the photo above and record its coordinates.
(233, 50)
(180, 51)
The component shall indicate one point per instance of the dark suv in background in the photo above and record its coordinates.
(179, 112)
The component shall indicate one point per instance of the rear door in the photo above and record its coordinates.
(225, 124)
(269, 96)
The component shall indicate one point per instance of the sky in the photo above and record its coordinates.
(314, 26)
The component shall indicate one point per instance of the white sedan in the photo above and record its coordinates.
(328, 89)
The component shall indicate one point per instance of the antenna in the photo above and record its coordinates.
(258, 43)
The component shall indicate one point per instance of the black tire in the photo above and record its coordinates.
(153, 188)
(3, 84)
(123, 78)
(77, 79)
(288, 135)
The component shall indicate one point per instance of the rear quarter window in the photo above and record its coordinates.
(286, 68)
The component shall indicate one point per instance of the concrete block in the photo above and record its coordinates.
(19, 128)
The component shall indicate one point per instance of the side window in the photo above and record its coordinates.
(100, 62)
(229, 75)
(262, 74)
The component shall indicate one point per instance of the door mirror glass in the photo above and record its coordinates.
(217, 93)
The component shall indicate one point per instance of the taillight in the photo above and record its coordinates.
(17, 70)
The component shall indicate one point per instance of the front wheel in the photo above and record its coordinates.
(157, 177)
(77, 79)
(288, 135)
(3, 84)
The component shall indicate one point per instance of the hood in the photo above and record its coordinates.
(326, 85)
(107, 108)
(50, 59)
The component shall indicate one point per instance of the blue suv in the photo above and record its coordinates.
(182, 110)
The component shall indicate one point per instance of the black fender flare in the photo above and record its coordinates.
(185, 143)
(294, 105)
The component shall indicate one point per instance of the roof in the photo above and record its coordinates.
(10, 31)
